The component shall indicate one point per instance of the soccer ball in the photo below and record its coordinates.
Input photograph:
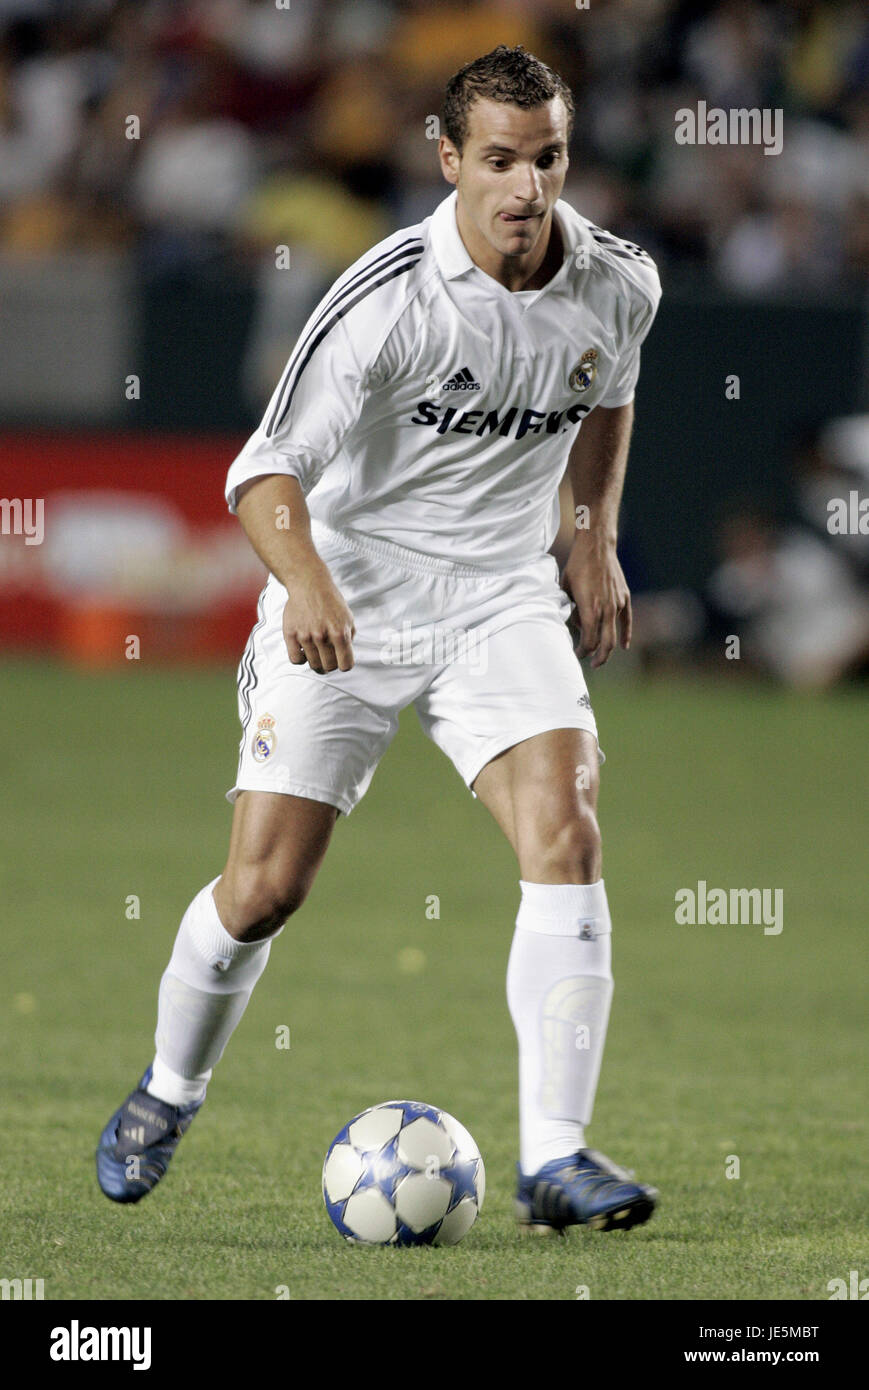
(403, 1173)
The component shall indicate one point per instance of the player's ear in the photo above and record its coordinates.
(449, 158)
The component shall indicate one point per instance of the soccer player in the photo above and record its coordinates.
(402, 491)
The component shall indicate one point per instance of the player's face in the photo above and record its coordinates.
(510, 173)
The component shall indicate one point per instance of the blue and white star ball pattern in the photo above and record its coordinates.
(403, 1173)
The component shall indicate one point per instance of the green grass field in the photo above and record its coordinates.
(723, 1041)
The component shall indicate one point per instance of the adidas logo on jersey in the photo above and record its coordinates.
(462, 381)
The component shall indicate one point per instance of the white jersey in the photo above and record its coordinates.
(428, 406)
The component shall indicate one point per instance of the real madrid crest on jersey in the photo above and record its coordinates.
(584, 372)
(264, 739)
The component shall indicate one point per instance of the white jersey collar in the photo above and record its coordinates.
(453, 256)
(450, 251)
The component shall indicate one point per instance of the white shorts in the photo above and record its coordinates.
(486, 660)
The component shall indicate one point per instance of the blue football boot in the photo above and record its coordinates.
(137, 1144)
(583, 1189)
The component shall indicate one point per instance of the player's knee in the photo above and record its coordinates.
(568, 851)
(259, 898)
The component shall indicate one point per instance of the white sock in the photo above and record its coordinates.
(167, 1085)
(559, 989)
(203, 994)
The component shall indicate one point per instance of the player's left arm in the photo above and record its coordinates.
(592, 575)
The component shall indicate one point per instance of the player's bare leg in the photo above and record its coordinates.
(276, 847)
(543, 794)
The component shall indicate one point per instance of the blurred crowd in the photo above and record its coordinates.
(795, 592)
(200, 135)
(202, 128)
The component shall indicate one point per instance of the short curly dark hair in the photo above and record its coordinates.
(505, 74)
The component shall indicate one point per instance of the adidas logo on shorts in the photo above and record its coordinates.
(462, 381)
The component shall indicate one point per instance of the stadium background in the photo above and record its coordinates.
(155, 159)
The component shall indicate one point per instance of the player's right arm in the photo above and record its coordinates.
(318, 625)
(314, 407)
(341, 357)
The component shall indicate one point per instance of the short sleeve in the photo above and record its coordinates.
(623, 383)
(315, 404)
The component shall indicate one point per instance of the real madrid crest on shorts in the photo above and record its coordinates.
(264, 739)
(584, 372)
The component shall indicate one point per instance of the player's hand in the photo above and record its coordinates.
(594, 580)
(318, 625)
